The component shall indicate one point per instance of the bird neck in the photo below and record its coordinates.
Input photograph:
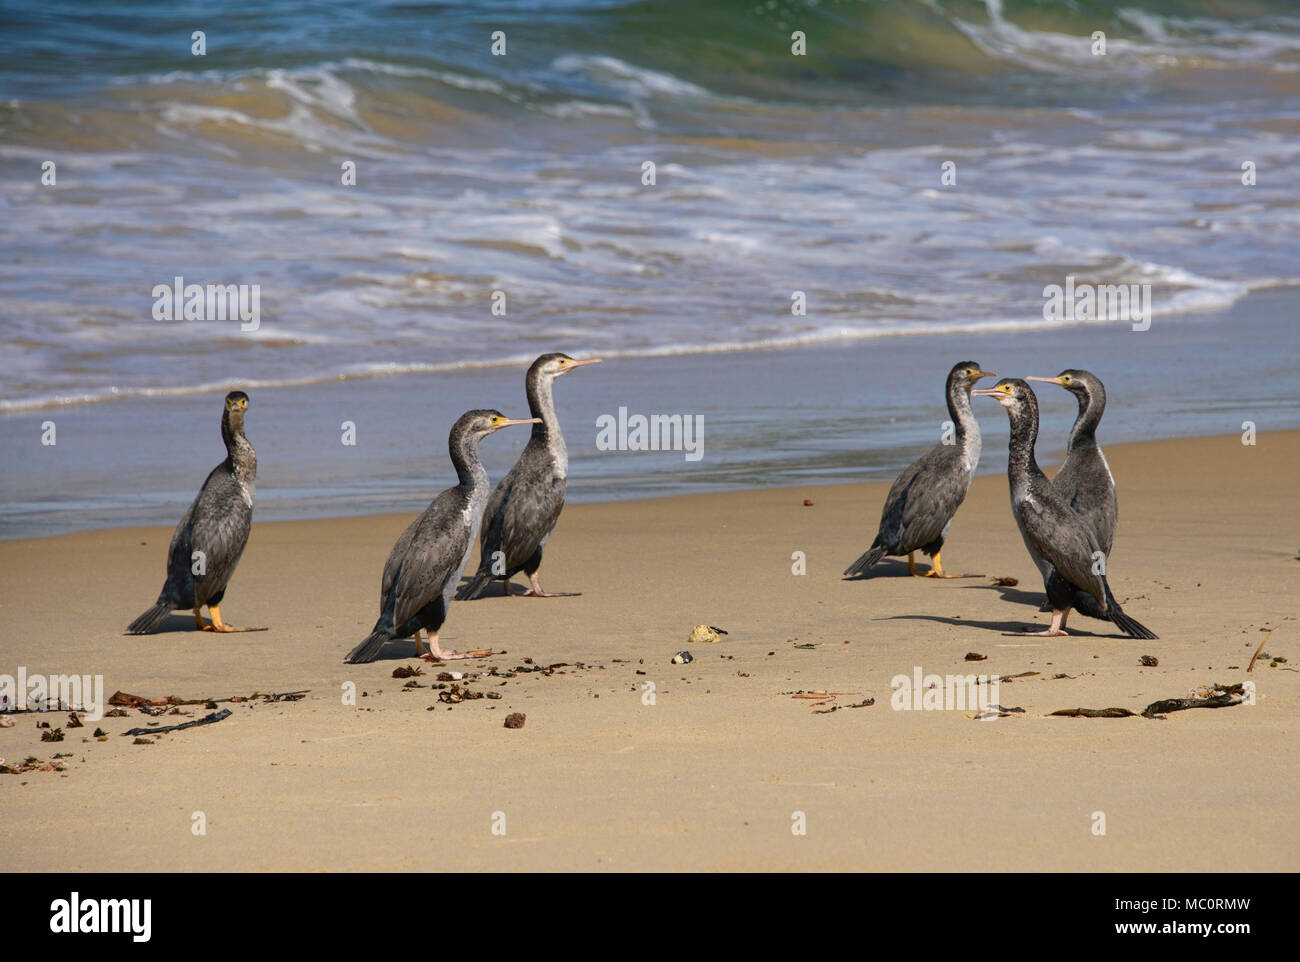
(1092, 404)
(239, 453)
(968, 429)
(464, 457)
(1022, 466)
(541, 404)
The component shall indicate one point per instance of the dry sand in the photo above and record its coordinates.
(712, 774)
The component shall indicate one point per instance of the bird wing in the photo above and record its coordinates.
(1061, 537)
(1085, 484)
(923, 500)
(529, 515)
(434, 553)
(490, 535)
(221, 519)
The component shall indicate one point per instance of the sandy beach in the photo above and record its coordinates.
(713, 774)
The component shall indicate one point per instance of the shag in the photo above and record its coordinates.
(923, 500)
(1084, 481)
(1048, 524)
(526, 504)
(425, 564)
(210, 538)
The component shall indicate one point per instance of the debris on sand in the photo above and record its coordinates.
(1149, 661)
(407, 671)
(866, 703)
(975, 656)
(1214, 696)
(74, 721)
(683, 658)
(52, 735)
(515, 720)
(30, 764)
(1095, 713)
(705, 635)
(1251, 666)
(205, 720)
(1159, 708)
(997, 711)
(1005, 582)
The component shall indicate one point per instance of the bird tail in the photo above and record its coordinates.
(369, 649)
(475, 586)
(148, 622)
(867, 560)
(1130, 626)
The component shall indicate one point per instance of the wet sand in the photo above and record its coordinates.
(711, 775)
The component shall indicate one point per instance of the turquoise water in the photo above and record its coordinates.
(520, 177)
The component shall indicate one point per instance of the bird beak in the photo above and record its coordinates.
(979, 374)
(1046, 380)
(572, 364)
(986, 393)
(509, 421)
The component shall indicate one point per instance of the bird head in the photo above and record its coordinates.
(481, 423)
(1081, 384)
(551, 366)
(1013, 394)
(236, 405)
(964, 374)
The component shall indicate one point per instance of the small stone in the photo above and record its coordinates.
(515, 720)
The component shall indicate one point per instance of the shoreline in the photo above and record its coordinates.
(709, 775)
(779, 418)
(1049, 459)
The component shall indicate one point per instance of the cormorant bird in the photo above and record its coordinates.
(526, 504)
(425, 564)
(211, 536)
(1084, 481)
(924, 498)
(1048, 524)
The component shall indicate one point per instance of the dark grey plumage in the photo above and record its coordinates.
(425, 565)
(1084, 481)
(216, 524)
(1049, 524)
(922, 501)
(524, 508)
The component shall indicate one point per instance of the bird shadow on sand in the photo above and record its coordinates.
(1014, 628)
(889, 568)
(1017, 596)
(173, 623)
(398, 649)
(496, 589)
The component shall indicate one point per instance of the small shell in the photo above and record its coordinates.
(683, 658)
